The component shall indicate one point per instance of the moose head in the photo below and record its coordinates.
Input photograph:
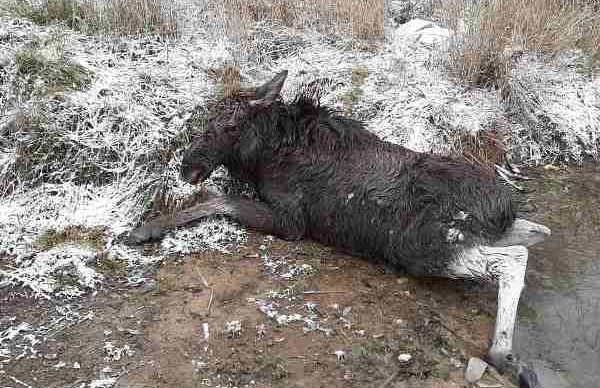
(229, 134)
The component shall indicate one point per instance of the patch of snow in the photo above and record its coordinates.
(233, 329)
(12, 332)
(103, 383)
(115, 353)
(212, 234)
(281, 268)
(63, 270)
(421, 31)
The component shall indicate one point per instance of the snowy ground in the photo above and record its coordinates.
(128, 128)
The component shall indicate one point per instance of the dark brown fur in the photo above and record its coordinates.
(324, 176)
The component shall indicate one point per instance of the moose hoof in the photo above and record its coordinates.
(528, 379)
(500, 359)
(508, 364)
(145, 233)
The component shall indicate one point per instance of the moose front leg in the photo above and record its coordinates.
(252, 214)
(505, 266)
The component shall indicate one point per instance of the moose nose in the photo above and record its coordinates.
(191, 177)
(194, 177)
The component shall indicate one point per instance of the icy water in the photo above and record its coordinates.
(559, 318)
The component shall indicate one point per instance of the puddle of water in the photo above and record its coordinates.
(559, 325)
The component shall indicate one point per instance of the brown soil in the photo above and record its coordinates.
(439, 322)
(433, 320)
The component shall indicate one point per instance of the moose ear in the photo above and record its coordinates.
(267, 93)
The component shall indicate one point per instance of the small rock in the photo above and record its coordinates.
(341, 355)
(399, 11)
(422, 31)
(456, 362)
(105, 92)
(489, 385)
(347, 375)
(551, 167)
(404, 357)
(475, 369)
(233, 329)
(76, 365)
(261, 331)
(205, 331)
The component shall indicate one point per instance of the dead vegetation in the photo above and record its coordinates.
(484, 148)
(42, 152)
(357, 78)
(123, 17)
(39, 75)
(91, 237)
(492, 34)
(359, 19)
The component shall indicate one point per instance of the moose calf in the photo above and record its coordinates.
(322, 176)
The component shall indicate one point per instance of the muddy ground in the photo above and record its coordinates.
(198, 321)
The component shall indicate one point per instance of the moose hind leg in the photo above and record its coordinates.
(505, 266)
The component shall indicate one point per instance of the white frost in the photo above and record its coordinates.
(63, 270)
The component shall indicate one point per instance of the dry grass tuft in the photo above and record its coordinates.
(491, 33)
(284, 11)
(129, 17)
(364, 17)
(228, 80)
(91, 237)
(357, 79)
(39, 75)
(124, 17)
(359, 19)
(483, 148)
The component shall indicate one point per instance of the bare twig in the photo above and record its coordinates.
(210, 299)
(507, 179)
(16, 380)
(315, 292)
(210, 302)
(512, 174)
(201, 277)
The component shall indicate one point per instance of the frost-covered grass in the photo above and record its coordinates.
(62, 271)
(490, 34)
(357, 78)
(33, 70)
(93, 237)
